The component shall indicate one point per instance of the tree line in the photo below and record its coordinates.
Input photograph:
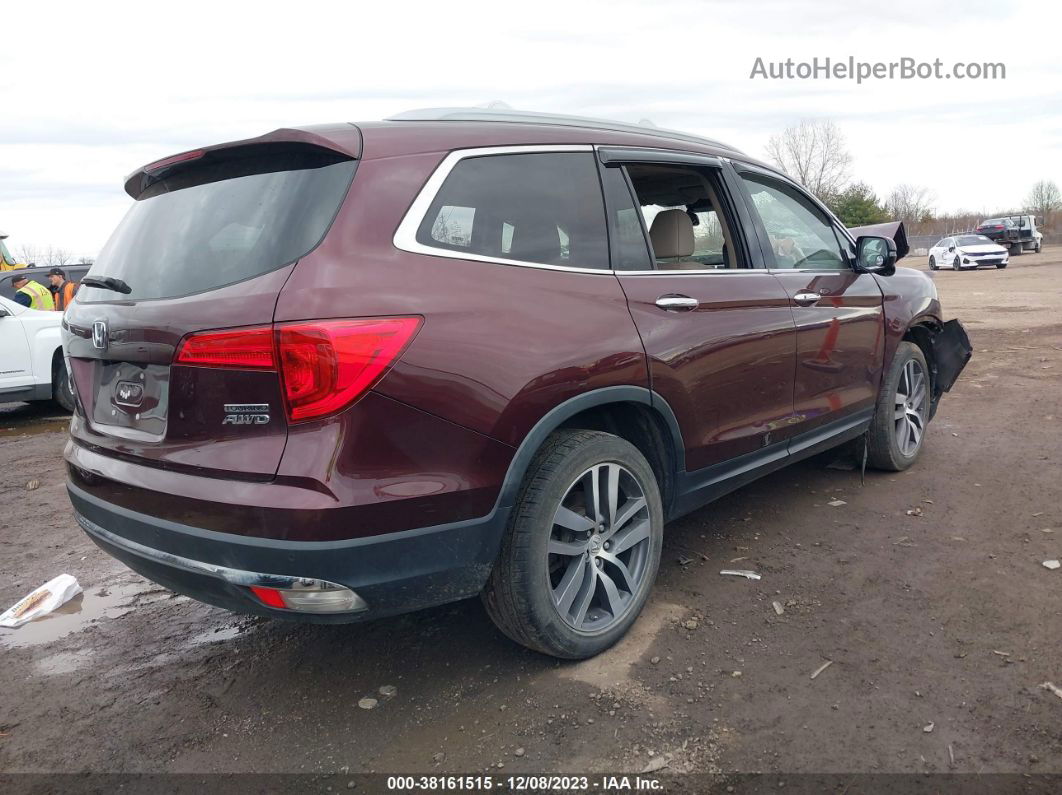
(48, 256)
(814, 153)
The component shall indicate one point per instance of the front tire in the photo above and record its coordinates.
(582, 548)
(956, 265)
(902, 413)
(1001, 265)
(62, 394)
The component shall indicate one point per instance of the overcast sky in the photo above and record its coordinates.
(91, 91)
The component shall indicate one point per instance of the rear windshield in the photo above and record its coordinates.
(231, 216)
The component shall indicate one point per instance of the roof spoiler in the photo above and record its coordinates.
(890, 229)
(342, 138)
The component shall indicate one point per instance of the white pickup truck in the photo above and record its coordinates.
(31, 356)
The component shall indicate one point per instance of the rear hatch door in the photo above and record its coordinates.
(208, 245)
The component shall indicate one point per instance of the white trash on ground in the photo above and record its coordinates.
(751, 575)
(42, 601)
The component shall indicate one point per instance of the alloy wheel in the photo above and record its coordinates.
(911, 408)
(599, 548)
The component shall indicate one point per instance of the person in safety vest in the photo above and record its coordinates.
(62, 290)
(32, 294)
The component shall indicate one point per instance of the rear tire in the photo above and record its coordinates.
(556, 588)
(1015, 249)
(61, 391)
(902, 412)
(932, 263)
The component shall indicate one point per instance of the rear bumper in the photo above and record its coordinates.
(392, 573)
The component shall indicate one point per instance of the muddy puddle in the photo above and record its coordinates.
(36, 428)
(81, 612)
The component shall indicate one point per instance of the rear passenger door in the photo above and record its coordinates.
(717, 330)
(838, 311)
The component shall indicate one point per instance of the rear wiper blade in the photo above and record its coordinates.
(107, 283)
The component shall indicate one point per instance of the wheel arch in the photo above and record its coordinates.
(922, 332)
(634, 413)
(57, 361)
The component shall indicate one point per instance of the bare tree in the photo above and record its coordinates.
(55, 257)
(28, 254)
(85, 261)
(814, 154)
(1044, 199)
(912, 204)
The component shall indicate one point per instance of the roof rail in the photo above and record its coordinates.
(532, 117)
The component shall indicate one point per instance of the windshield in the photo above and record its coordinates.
(234, 216)
(972, 240)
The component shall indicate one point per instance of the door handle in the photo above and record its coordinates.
(805, 298)
(677, 303)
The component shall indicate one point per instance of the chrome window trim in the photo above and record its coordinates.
(681, 272)
(847, 269)
(405, 237)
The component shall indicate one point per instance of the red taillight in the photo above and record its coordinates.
(242, 349)
(269, 596)
(326, 366)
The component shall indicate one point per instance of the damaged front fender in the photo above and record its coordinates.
(951, 352)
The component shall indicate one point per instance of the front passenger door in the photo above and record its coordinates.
(838, 311)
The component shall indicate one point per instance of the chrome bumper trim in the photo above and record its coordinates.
(234, 576)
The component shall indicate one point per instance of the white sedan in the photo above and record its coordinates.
(963, 252)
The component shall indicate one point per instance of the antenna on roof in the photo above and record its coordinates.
(495, 104)
(646, 123)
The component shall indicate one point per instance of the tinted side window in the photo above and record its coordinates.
(629, 251)
(801, 236)
(543, 208)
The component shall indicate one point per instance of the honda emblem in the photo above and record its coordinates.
(99, 334)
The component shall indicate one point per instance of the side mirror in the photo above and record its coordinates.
(4, 312)
(952, 248)
(876, 255)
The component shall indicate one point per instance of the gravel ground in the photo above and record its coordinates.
(939, 628)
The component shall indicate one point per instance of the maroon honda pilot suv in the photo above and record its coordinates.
(337, 373)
